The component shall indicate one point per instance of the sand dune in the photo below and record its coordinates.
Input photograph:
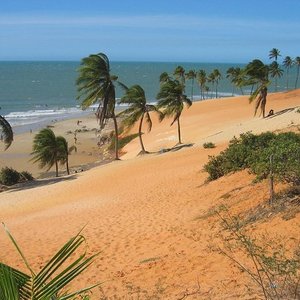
(144, 213)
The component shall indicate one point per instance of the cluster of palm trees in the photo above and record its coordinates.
(97, 85)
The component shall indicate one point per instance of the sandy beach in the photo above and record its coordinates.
(145, 214)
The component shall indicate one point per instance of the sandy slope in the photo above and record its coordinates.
(144, 214)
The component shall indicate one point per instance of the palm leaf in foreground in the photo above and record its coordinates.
(49, 282)
(6, 132)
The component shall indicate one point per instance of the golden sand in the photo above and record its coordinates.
(144, 213)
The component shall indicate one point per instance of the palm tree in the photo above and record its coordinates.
(138, 109)
(274, 53)
(96, 85)
(256, 73)
(275, 72)
(172, 99)
(64, 152)
(49, 150)
(164, 77)
(297, 63)
(50, 281)
(211, 79)
(6, 132)
(217, 77)
(179, 74)
(201, 77)
(191, 74)
(287, 62)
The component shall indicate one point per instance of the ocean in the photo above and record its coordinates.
(32, 94)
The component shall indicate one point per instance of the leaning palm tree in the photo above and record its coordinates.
(51, 280)
(138, 109)
(288, 63)
(64, 152)
(171, 99)
(97, 85)
(191, 75)
(274, 53)
(6, 132)
(275, 72)
(297, 63)
(256, 74)
(48, 150)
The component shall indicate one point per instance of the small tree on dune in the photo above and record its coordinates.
(138, 109)
(96, 85)
(6, 132)
(64, 152)
(171, 99)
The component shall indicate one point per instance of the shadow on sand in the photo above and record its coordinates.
(278, 113)
(39, 182)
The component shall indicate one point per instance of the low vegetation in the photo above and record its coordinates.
(209, 145)
(9, 176)
(253, 152)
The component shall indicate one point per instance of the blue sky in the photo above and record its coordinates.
(156, 30)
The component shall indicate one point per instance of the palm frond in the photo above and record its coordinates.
(6, 131)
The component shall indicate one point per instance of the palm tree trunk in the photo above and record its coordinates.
(116, 137)
(140, 134)
(179, 133)
(56, 167)
(216, 90)
(67, 165)
(287, 79)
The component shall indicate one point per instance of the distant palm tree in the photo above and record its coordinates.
(217, 77)
(236, 77)
(179, 74)
(171, 99)
(96, 85)
(51, 280)
(164, 77)
(288, 63)
(274, 53)
(6, 132)
(211, 78)
(191, 75)
(48, 150)
(201, 78)
(138, 109)
(256, 73)
(275, 72)
(297, 63)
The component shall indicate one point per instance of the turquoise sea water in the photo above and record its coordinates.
(35, 92)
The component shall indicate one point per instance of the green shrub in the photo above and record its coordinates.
(9, 176)
(209, 145)
(253, 152)
(26, 176)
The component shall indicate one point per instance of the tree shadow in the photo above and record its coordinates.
(38, 183)
(175, 148)
(278, 113)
